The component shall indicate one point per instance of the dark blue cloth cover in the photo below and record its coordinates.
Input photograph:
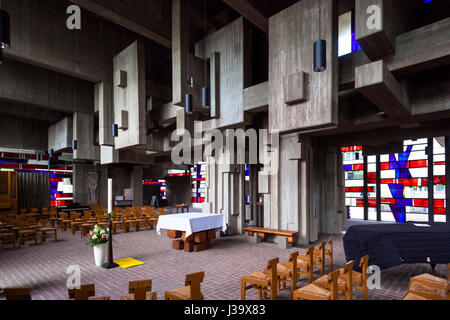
(390, 245)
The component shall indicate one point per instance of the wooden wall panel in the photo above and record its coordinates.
(292, 34)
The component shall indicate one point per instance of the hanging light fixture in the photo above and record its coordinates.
(189, 104)
(74, 144)
(206, 97)
(115, 130)
(320, 50)
(5, 32)
(156, 126)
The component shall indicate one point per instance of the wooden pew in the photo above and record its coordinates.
(262, 232)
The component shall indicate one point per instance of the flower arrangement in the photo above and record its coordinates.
(98, 235)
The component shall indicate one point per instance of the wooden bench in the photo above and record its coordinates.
(262, 232)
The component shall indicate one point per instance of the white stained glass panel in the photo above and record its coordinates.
(419, 172)
(371, 159)
(440, 218)
(417, 217)
(385, 191)
(371, 167)
(387, 174)
(345, 34)
(372, 212)
(354, 183)
(384, 158)
(357, 213)
(387, 217)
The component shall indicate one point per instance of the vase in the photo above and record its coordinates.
(100, 252)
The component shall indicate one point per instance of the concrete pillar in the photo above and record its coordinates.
(287, 205)
(329, 198)
(136, 185)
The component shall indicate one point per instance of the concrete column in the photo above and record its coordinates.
(136, 184)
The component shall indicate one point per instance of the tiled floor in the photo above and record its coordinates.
(43, 267)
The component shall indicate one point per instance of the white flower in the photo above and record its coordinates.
(94, 237)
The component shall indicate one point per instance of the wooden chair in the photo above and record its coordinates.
(25, 233)
(17, 293)
(345, 288)
(315, 292)
(191, 289)
(359, 278)
(319, 258)
(8, 235)
(140, 290)
(305, 264)
(288, 273)
(116, 222)
(263, 281)
(329, 253)
(44, 230)
(85, 292)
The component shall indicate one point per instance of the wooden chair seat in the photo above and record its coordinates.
(413, 296)
(313, 292)
(191, 289)
(149, 296)
(421, 289)
(284, 269)
(323, 282)
(182, 293)
(429, 278)
(356, 276)
(260, 277)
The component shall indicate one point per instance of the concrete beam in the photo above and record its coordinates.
(248, 11)
(256, 98)
(145, 18)
(417, 50)
(131, 99)
(377, 41)
(60, 135)
(83, 133)
(34, 86)
(378, 84)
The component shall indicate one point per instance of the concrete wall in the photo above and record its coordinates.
(178, 190)
(23, 133)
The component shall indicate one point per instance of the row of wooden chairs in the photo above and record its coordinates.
(19, 228)
(337, 284)
(429, 287)
(137, 290)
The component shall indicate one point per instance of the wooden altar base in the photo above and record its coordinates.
(196, 242)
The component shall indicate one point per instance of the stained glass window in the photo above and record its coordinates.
(403, 183)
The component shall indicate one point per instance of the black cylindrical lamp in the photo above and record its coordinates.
(5, 30)
(189, 104)
(115, 130)
(206, 97)
(320, 55)
(74, 144)
(156, 126)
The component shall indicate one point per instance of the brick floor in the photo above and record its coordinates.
(43, 267)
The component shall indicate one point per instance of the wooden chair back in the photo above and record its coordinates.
(140, 288)
(293, 262)
(272, 270)
(333, 282)
(43, 223)
(85, 291)
(17, 293)
(348, 272)
(194, 280)
(330, 244)
(364, 264)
